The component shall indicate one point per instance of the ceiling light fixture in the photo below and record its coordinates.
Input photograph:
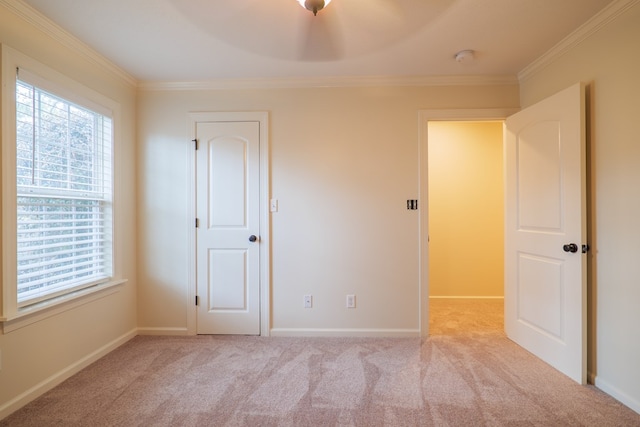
(314, 5)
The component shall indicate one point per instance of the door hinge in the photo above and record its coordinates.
(197, 300)
(195, 143)
(197, 223)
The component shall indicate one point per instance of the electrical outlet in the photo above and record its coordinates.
(307, 301)
(351, 301)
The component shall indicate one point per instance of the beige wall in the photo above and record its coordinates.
(609, 63)
(37, 356)
(466, 209)
(343, 164)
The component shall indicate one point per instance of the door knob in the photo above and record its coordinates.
(253, 238)
(571, 247)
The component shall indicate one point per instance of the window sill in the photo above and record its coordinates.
(40, 311)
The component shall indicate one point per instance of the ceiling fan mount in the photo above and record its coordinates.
(314, 5)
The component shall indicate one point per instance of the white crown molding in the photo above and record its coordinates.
(319, 82)
(593, 25)
(44, 24)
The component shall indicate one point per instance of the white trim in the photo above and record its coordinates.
(593, 25)
(423, 221)
(192, 285)
(71, 95)
(10, 312)
(336, 81)
(466, 297)
(53, 30)
(265, 187)
(163, 331)
(9, 279)
(265, 227)
(45, 309)
(424, 117)
(467, 114)
(60, 376)
(349, 333)
(617, 394)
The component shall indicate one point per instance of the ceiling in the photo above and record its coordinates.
(207, 40)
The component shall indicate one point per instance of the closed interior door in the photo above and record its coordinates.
(228, 227)
(545, 269)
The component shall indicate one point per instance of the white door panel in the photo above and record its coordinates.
(540, 294)
(227, 205)
(538, 149)
(228, 172)
(545, 286)
(227, 281)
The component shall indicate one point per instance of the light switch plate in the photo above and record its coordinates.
(351, 301)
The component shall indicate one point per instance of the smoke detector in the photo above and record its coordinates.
(464, 56)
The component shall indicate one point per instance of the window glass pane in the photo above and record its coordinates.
(64, 195)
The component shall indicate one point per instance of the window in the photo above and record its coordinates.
(64, 194)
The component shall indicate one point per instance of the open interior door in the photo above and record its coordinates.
(545, 231)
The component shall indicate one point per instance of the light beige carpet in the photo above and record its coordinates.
(466, 374)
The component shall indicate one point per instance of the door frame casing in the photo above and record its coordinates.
(265, 242)
(424, 117)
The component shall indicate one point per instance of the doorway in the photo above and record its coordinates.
(545, 215)
(426, 117)
(466, 226)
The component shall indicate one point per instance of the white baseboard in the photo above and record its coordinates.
(376, 333)
(57, 378)
(466, 297)
(617, 394)
(163, 331)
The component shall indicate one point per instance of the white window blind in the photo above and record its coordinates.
(64, 194)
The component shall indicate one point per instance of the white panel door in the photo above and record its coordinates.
(228, 233)
(545, 274)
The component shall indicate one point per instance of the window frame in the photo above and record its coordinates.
(12, 315)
